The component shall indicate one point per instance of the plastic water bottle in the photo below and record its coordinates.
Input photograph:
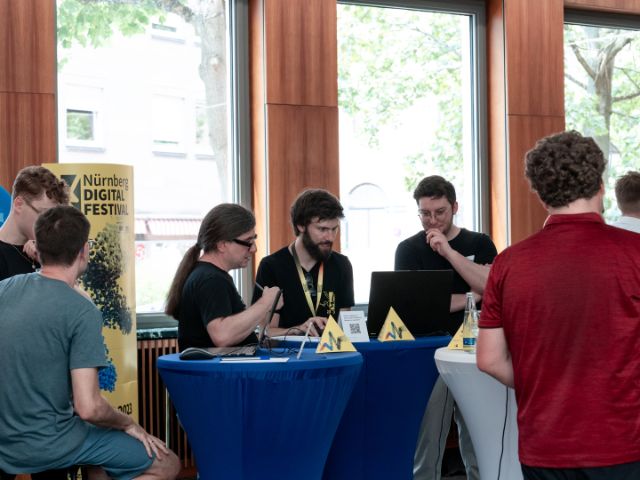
(470, 325)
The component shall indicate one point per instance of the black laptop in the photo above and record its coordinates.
(197, 353)
(421, 298)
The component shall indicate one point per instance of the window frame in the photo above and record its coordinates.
(476, 9)
(599, 19)
(238, 111)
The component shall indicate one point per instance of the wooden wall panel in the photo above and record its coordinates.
(303, 153)
(527, 212)
(498, 184)
(27, 85)
(301, 52)
(614, 6)
(294, 108)
(535, 69)
(27, 46)
(526, 98)
(27, 132)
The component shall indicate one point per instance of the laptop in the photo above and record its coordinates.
(421, 298)
(197, 353)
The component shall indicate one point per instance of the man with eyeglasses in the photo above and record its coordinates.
(203, 297)
(316, 281)
(442, 245)
(35, 190)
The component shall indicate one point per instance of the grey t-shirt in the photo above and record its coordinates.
(46, 330)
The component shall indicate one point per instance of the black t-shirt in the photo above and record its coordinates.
(13, 261)
(208, 293)
(279, 270)
(414, 254)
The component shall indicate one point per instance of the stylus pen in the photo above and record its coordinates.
(304, 340)
(260, 287)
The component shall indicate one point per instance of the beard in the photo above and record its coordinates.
(314, 248)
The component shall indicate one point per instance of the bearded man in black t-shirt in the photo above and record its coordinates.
(316, 281)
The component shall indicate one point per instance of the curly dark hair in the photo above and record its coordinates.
(437, 187)
(33, 181)
(314, 203)
(628, 192)
(564, 167)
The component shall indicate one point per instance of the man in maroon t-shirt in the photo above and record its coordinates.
(560, 322)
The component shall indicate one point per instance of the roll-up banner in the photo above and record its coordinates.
(104, 193)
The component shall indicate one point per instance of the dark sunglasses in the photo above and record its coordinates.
(244, 243)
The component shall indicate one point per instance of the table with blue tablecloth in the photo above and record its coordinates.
(261, 420)
(377, 436)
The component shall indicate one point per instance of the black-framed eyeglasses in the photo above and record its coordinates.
(244, 243)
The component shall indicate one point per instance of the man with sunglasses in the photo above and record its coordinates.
(203, 297)
(316, 281)
(442, 245)
(35, 190)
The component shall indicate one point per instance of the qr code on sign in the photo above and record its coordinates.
(354, 328)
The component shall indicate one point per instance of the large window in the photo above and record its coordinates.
(156, 85)
(602, 90)
(410, 90)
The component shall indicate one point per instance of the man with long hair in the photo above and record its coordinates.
(203, 297)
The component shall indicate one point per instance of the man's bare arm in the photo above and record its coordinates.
(92, 407)
(493, 356)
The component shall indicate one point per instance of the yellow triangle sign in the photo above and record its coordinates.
(333, 339)
(456, 342)
(394, 329)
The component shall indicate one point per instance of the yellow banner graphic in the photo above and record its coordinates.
(104, 193)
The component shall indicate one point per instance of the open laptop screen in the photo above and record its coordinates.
(421, 298)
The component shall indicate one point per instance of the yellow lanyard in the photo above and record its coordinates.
(303, 281)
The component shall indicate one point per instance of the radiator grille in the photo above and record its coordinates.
(152, 400)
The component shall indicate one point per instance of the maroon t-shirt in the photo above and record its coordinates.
(568, 299)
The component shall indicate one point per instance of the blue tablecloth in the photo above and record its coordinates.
(377, 436)
(261, 420)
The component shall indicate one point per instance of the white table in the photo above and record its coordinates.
(483, 401)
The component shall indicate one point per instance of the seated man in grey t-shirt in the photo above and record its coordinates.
(52, 414)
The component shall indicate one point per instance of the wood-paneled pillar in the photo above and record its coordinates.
(27, 85)
(294, 108)
(526, 94)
